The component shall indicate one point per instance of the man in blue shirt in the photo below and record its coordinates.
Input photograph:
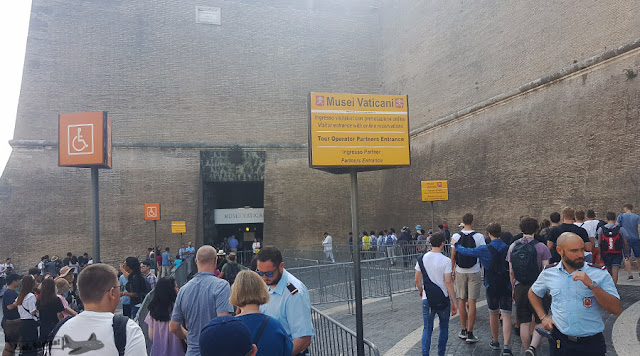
(166, 263)
(498, 297)
(579, 292)
(190, 253)
(289, 299)
(630, 222)
(203, 298)
(233, 243)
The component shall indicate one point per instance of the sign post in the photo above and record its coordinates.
(152, 212)
(358, 132)
(434, 190)
(84, 141)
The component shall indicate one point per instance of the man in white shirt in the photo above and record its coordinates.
(466, 273)
(439, 269)
(94, 331)
(327, 244)
(580, 214)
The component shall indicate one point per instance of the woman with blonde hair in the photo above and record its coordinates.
(248, 293)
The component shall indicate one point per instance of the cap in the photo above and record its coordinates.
(225, 335)
(232, 254)
(64, 271)
(445, 226)
(418, 227)
(221, 253)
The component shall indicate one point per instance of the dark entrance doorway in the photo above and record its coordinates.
(231, 195)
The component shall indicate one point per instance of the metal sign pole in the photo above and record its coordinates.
(95, 212)
(433, 219)
(356, 262)
(155, 237)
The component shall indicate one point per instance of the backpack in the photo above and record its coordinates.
(466, 240)
(497, 274)
(435, 296)
(232, 271)
(611, 240)
(524, 259)
(389, 240)
(119, 333)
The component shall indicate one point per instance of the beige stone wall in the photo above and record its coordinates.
(448, 55)
(574, 142)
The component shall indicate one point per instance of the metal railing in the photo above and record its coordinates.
(335, 339)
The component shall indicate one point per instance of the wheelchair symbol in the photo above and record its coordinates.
(80, 139)
(152, 211)
(78, 143)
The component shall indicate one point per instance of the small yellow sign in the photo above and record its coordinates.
(358, 130)
(434, 190)
(178, 227)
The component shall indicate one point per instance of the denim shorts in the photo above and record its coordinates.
(612, 259)
(634, 245)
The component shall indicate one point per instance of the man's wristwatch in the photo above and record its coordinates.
(593, 285)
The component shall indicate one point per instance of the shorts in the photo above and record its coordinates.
(467, 285)
(634, 245)
(612, 259)
(524, 310)
(12, 330)
(501, 303)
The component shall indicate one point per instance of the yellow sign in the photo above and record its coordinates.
(433, 190)
(347, 130)
(178, 227)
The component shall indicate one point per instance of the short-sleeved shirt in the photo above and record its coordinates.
(437, 265)
(199, 301)
(126, 300)
(191, 250)
(27, 307)
(542, 252)
(182, 253)
(630, 222)
(274, 340)
(479, 239)
(49, 313)
(233, 243)
(293, 311)
(556, 231)
(591, 226)
(576, 312)
(165, 259)
(623, 231)
(8, 298)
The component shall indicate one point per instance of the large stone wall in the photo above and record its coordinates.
(448, 55)
(572, 142)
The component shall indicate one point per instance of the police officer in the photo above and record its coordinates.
(288, 299)
(578, 292)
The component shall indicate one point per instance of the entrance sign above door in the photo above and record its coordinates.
(239, 216)
(84, 139)
(358, 130)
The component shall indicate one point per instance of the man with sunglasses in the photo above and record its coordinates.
(289, 299)
(96, 330)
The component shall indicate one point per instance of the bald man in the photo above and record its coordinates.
(579, 292)
(203, 298)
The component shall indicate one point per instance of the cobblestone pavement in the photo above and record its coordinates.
(397, 330)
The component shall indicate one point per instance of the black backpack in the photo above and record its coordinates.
(119, 334)
(435, 296)
(466, 240)
(524, 259)
(611, 240)
(497, 274)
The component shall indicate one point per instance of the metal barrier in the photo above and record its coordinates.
(333, 338)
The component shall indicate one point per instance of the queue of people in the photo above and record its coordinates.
(545, 270)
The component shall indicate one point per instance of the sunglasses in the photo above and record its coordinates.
(268, 274)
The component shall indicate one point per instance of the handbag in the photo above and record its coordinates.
(435, 296)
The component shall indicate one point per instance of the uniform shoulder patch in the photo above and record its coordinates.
(292, 289)
(552, 265)
(596, 266)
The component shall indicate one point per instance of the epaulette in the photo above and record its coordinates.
(292, 289)
(596, 266)
(552, 265)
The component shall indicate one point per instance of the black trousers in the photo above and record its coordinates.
(29, 341)
(591, 346)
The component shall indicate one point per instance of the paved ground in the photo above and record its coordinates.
(398, 330)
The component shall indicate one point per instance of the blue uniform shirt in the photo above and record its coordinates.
(293, 311)
(576, 312)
